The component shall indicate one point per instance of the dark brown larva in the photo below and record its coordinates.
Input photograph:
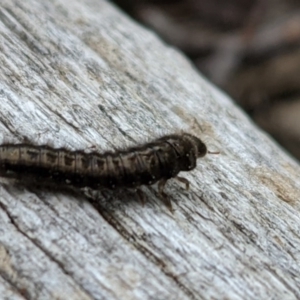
(146, 164)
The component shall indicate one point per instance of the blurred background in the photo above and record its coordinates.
(249, 48)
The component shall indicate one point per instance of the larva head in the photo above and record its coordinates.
(194, 148)
(188, 148)
(201, 149)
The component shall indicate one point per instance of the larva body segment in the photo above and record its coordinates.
(146, 164)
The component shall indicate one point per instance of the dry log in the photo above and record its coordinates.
(81, 74)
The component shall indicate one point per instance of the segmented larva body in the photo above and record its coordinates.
(146, 164)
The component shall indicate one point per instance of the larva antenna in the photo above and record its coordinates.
(213, 152)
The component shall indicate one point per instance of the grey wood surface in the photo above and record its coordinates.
(82, 75)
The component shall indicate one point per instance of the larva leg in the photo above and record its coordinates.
(164, 196)
(91, 194)
(183, 180)
(141, 196)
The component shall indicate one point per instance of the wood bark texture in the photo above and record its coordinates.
(82, 75)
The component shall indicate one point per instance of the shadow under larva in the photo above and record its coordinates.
(146, 164)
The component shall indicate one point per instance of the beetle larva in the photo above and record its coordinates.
(146, 164)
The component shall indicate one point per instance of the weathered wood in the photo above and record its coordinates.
(80, 74)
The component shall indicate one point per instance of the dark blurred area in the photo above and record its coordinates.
(250, 48)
